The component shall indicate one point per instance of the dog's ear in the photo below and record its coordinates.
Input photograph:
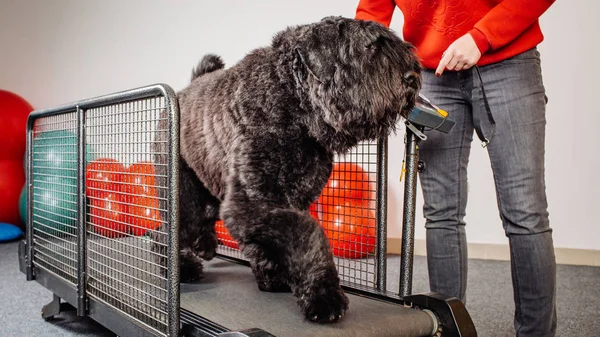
(302, 66)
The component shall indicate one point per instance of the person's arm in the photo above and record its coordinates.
(506, 21)
(501, 25)
(376, 10)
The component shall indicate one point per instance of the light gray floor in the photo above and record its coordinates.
(489, 299)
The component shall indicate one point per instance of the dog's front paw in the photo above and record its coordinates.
(325, 305)
(190, 272)
(270, 281)
(273, 285)
(190, 267)
(206, 247)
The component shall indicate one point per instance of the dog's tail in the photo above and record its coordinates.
(208, 64)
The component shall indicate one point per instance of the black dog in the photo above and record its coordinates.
(258, 142)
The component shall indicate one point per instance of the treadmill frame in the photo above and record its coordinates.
(451, 316)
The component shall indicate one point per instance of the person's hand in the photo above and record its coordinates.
(461, 54)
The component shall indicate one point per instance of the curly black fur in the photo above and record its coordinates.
(258, 142)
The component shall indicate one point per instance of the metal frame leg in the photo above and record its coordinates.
(413, 137)
(55, 307)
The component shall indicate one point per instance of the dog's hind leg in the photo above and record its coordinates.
(198, 212)
(286, 245)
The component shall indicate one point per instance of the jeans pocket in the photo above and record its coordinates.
(529, 56)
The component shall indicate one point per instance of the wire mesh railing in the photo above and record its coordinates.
(104, 212)
(54, 197)
(124, 209)
(103, 175)
(347, 212)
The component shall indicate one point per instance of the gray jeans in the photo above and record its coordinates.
(516, 96)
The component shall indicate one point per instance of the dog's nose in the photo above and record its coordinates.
(412, 79)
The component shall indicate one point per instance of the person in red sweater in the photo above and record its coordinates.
(481, 65)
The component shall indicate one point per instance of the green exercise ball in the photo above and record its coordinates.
(55, 205)
(55, 153)
(55, 182)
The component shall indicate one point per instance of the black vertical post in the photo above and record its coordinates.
(408, 220)
(382, 175)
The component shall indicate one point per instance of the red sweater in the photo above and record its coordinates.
(500, 28)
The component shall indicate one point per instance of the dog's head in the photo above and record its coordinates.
(358, 74)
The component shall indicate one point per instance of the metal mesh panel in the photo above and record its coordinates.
(346, 209)
(54, 201)
(126, 185)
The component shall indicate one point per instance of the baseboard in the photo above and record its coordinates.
(485, 251)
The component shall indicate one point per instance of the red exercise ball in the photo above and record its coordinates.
(140, 193)
(138, 179)
(348, 182)
(223, 234)
(313, 211)
(143, 214)
(103, 176)
(14, 111)
(351, 230)
(107, 215)
(12, 178)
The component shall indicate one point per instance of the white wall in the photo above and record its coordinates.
(54, 52)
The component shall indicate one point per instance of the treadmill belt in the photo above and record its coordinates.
(229, 296)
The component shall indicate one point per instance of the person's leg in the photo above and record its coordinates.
(516, 96)
(444, 185)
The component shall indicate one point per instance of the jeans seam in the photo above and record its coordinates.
(518, 292)
(459, 185)
(499, 197)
